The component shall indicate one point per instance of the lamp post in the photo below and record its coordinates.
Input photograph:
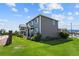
(71, 31)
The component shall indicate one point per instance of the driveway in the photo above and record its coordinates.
(3, 39)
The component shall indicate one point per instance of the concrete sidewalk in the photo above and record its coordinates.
(3, 39)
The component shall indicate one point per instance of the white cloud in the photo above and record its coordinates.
(14, 10)
(28, 16)
(46, 12)
(3, 20)
(50, 7)
(69, 13)
(18, 15)
(58, 17)
(1, 24)
(76, 13)
(61, 18)
(55, 6)
(11, 4)
(70, 18)
(26, 10)
(77, 5)
(41, 6)
(8, 25)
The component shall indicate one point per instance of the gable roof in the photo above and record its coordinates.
(42, 16)
(47, 17)
(22, 25)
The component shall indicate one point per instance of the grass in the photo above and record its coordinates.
(24, 47)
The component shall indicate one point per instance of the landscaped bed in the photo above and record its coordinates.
(24, 47)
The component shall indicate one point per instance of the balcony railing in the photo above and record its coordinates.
(30, 27)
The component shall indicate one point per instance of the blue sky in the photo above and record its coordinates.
(11, 14)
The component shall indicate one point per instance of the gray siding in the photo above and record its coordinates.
(48, 28)
(36, 26)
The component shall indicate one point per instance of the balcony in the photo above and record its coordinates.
(30, 27)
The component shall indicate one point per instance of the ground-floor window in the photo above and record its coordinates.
(36, 30)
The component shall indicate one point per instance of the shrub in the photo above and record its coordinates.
(47, 38)
(28, 38)
(63, 35)
(36, 37)
(5, 33)
(19, 35)
(16, 33)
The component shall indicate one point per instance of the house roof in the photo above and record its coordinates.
(22, 25)
(43, 16)
(47, 17)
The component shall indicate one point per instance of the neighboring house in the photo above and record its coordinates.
(22, 28)
(63, 30)
(43, 25)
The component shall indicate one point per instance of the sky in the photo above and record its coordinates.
(14, 14)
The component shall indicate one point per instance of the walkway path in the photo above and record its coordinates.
(3, 39)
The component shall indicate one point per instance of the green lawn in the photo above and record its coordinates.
(23, 47)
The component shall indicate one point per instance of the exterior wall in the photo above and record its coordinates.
(22, 30)
(35, 24)
(44, 25)
(48, 27)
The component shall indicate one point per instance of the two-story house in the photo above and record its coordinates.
(22, 28)
(43, 25)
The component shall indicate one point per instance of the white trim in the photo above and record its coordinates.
(40, 23)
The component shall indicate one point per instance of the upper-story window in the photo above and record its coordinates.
(32, 22)
(36, 30)
(23, 28)
(28, 25)
(36, 20)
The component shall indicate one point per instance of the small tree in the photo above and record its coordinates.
(15, 33)
(4, 32)
(19, 35)
(64, 35)
(37, 37)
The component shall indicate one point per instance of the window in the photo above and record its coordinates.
(36, 20)
(32, 22)
(23, 28)
(36, 30)
(28, 25)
